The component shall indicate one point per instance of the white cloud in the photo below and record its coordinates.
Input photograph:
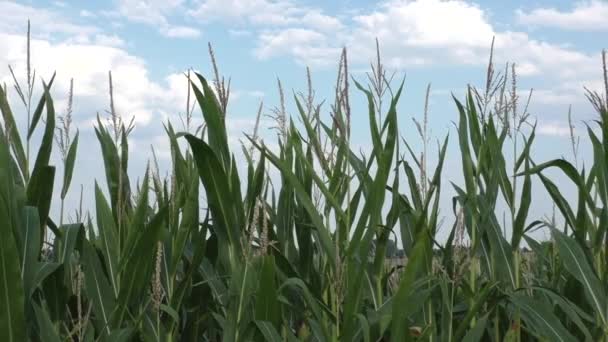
(426, 32)
(265, 13)
(584, 16)
(429, 23)
(109, 40)
(306, 46)
(155, 13)
(180, 32)
(556, 96)
(87, 57)
(149, 11)
(554, 128)
(240, 33)
(45, 21)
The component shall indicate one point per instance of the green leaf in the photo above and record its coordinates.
(35, 276)
(267, 305)
(137, 267)
(476, 333)
(480, 299)
(47, 332)
(12, 319)
(227, 224)
(540, 319)
(575, 261)
(117, 179)
(69, 166)
(522, 213)
(98, 289)
(40, 193)
(31, 237)
(12, 130)
(569, 308)
(304, 200)
(71, 237)
(215, 121)
(46, 145)
(109, 240)
(467, 162)
(416, 264)
(39, 108)
(269, 331)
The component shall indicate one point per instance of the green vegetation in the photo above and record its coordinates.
(306, 259)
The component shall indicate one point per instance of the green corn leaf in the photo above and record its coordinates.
(190, 218)
(69, 166)
(254, 187)
(569, 308)
(98, 289)
(559, 200)
(416, 263)
(12, 130)
(473, 119)
(46, 145)
(267, 304)
(119, 335)
(214, 120)
(312, 303)
(329, 197)
(522, 213)
(525, 153)
(541, 320)
(70, 239)
(36, 274)
(108, 233)
(220, 199)
(137, 266)
(30, 250)
(40, 193)
(480, 299)
(46, 329)
(115, 175)
(477, 332)
(575, 261)
(305, 201)
(39, 108)
(139, 218)
(269, 331)
(12, 317)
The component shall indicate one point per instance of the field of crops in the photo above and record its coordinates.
(208, 254)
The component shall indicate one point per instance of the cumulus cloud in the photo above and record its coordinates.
(47, 21)
(86, 54)
(88, 64)
(265, 13)
(155, 13)
(180, 32)
(305, 45)
(553, 128)
(424, 32)
(109, 40)
(584, 16)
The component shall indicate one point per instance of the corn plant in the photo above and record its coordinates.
(208, 254)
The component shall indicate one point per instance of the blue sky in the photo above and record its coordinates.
(149, 44)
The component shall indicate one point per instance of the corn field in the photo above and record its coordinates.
(208, 254)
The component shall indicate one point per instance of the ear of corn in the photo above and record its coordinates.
(308, 255)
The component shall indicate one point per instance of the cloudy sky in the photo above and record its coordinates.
(149, 44)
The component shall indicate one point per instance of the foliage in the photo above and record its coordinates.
(307, 259)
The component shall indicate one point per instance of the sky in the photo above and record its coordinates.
(148, 45)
